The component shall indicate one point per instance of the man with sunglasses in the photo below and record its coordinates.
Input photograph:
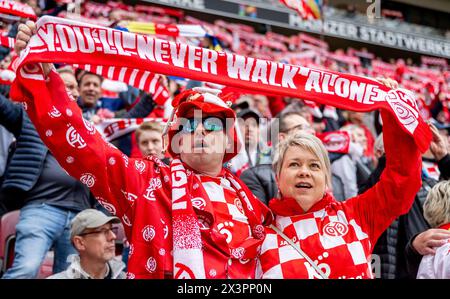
(93, 236)
(192, 219)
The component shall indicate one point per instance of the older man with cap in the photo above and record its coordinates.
(92, 234)
(192, 219)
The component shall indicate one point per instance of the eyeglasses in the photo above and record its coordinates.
(104, 231)
(211, 124)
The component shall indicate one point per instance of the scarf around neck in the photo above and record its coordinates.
(288, 206)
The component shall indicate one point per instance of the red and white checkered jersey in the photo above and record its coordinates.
(339, 236)
(330, 236)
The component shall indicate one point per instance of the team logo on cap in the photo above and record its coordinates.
(74, 138)
(88, 179)
(148, 233)
(335, 229)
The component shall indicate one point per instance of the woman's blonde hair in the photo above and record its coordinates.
(436, 208)
(308, 142)
(148, 126)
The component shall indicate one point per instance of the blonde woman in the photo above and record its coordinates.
(436, 210)
(313, 235)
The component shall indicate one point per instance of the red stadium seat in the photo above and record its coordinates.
(8, 224)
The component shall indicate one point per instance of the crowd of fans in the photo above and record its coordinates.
(33, 181)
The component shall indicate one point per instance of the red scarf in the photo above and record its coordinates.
(187, 240)
(131, 57)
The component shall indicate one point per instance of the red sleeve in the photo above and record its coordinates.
(394, 194)
(113, 178)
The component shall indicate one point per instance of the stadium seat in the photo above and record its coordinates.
(8, 224)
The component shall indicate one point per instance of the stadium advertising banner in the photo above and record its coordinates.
(330, 27)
